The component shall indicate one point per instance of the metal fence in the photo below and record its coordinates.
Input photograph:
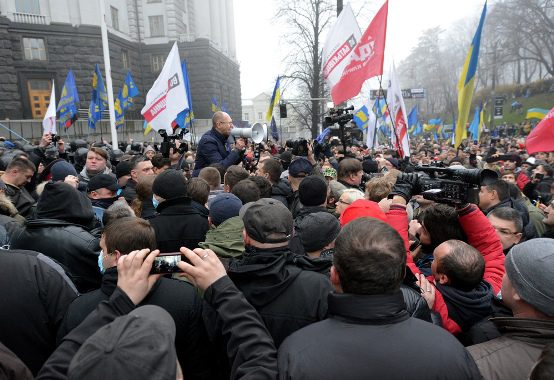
(31, 131)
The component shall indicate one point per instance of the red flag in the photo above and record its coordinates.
(367, 59)
(541, 138)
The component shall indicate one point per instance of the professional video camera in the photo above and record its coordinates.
(299, 147)
(169, 142)
(339, 116)
(452, 186)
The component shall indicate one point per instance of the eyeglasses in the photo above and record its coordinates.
(226, 122)
(343, 202)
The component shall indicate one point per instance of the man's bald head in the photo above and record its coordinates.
(222, 122)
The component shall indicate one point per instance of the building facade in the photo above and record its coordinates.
(290, 128)
(41, 40)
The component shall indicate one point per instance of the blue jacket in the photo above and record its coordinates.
(211, 150)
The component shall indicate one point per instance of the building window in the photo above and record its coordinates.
(246, 116)
(115, 17)
(34, 49)
(156, 26)
(158, 61)
(153, 1)
(27, 6)
(259, 116)
(125, 58)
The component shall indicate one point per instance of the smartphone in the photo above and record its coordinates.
(166, 263)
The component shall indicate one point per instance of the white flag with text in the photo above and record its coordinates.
(49, 121)
(397, 110)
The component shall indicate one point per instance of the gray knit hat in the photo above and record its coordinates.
(317, 230)
(530, 266)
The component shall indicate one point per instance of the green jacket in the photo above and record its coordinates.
(226, 239)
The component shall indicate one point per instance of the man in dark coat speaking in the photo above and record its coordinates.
(214, 148)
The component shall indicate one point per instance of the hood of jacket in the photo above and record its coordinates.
(226, 239)
(468, 307)
(263, 275)
(307, 210)
(281, 188)
(315, 264)
(6, 206)
(61, 201)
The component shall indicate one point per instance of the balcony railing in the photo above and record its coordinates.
(29, 18)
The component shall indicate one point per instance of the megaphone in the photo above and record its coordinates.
(257, 133)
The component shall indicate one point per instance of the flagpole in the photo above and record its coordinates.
(109, 89)
(398, 143)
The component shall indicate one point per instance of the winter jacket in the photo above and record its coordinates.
(513, 355)
(35, 296)
(84, 177)
(179, 224)
(373, 336)
(294, 203)
(226, 239)
(60, 233)
(178, 298)
(212, 149)
(281, 191)
(482, 236)
(287, 297)
(130, 191)
(21, 199)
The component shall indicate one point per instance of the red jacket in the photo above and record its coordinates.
(522, 180)
(481, 235)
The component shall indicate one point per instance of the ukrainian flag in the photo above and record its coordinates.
(361, 117)
(536, 113)
(466, 85)
(274, 99)
(215, 106)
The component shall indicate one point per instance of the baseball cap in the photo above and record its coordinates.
(224, 206)
(123, 168)
(139, 345)
(102, 181)
(317, 230)
(300, 167)
(267, 221)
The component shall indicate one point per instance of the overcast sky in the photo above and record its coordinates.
(261, 49)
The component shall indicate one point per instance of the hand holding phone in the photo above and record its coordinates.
(166, 263)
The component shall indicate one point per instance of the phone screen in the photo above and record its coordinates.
(166, 263)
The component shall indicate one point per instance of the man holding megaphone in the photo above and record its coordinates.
(214, 148)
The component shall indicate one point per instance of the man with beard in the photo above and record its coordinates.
(102, 190)
(213, 147)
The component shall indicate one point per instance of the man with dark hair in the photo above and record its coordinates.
(121, 237)
(178, 223)
(527, 289)
(247, 191)
(299, 169)
(140, 166)
(272, 169)
(350, 173)
(213, 146)
(508, 225)
(263, 185)
(233, 175)
(287, 297)
(367, 306)
(160, 163)
(199, 191)
(19, 172)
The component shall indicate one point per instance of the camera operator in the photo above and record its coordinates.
(213, 147)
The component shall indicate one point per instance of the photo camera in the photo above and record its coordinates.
(169, 142)
(166, 263)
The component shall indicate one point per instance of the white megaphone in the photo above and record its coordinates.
(257, 133)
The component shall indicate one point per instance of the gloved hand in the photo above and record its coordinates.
(406, 186)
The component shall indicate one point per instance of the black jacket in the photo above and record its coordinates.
(282, 192)
(21, 199)
(178, 298)
(287, 297)
(130, 191)
(35, 297)
(295, 244)
(212, 149)
(179, 224)
(372, 336)
(65, 238)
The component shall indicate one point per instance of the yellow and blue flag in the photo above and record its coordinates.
(361, 117)
(67, 106)
(412, 121)
(274, 99)
(125, 99)
(273, 128)
(536, 113)
(475, 126)
(185, 117)
(215, 106)
(99, 99)
(321, 137)
(466, 84)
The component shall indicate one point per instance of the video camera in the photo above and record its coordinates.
(169, 142)
(299, 147)
(452, 186)
(339, 116)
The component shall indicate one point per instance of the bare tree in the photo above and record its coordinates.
(305, 22)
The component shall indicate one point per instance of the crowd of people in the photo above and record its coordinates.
(333, 263)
